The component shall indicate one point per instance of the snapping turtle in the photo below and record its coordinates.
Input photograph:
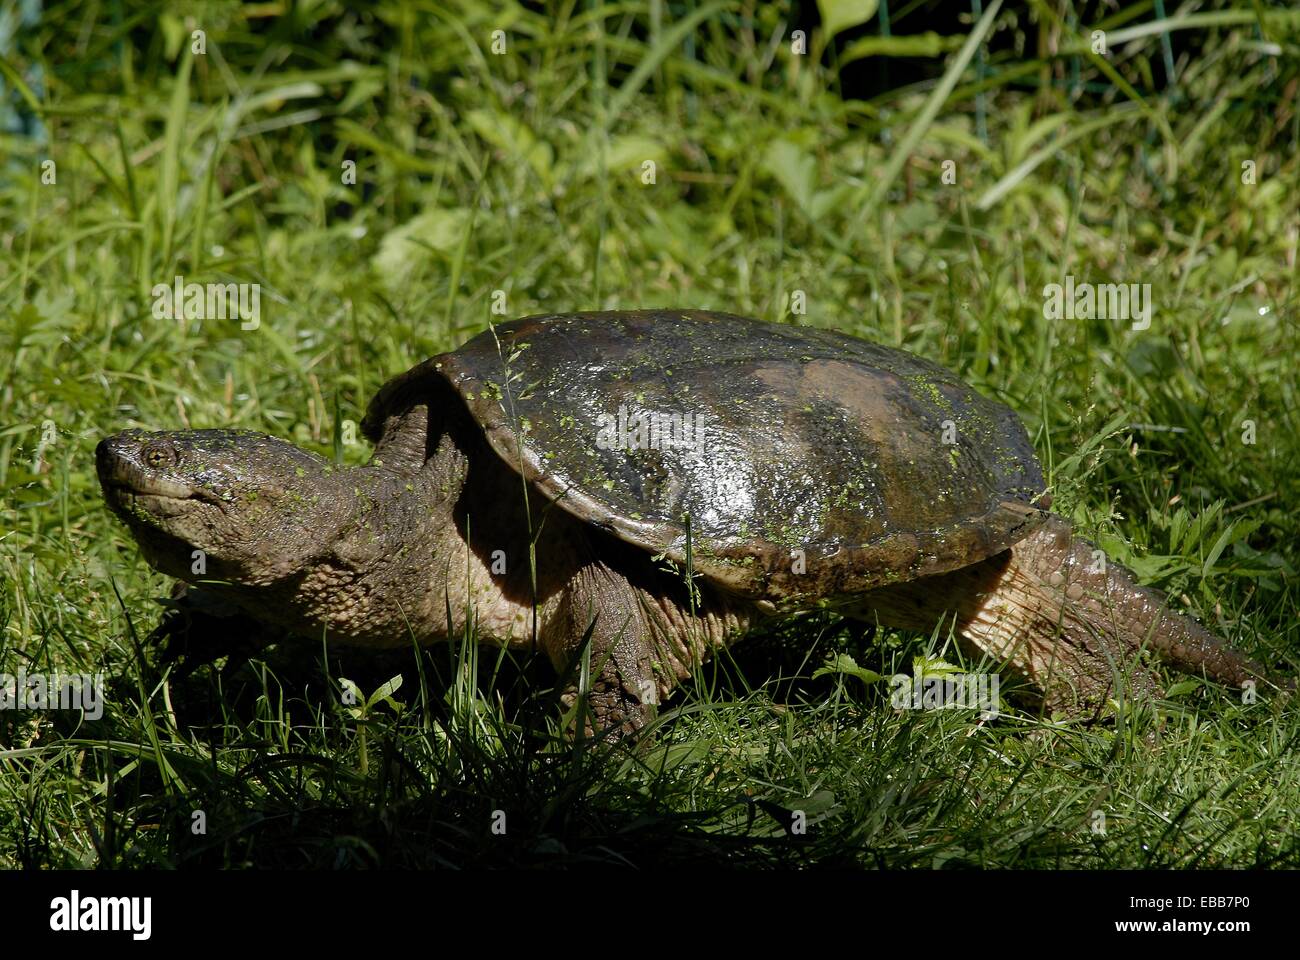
(560, 481)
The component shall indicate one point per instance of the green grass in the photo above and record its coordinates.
(522, 173)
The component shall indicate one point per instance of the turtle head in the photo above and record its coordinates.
(222, 505)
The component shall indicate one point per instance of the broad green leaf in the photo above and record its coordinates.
(437, 230)
(174, 34)
(362, 90)
(1236, 531)
(824, 201)
(385, 694)
(632, 151)
(839, 15)
(928, 44)
(924, 666)
(1149, 568)
(1181, 688)
(516, 140)
(623, 154)
(352, 692)
(794, 170)
(845, 664)
(821, 802)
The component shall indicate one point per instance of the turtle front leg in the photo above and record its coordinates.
(603, 616)
(199, 628)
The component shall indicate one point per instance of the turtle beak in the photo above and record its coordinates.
(107, 460)
(111, 466)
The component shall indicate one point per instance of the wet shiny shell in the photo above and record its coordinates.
(799, 463)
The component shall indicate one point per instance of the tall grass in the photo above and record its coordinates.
(525, 172)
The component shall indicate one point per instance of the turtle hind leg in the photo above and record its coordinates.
(1065, 618)
(1104, 597)
(1043, 628)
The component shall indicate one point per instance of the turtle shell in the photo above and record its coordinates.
(782, 463)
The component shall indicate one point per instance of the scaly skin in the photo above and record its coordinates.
(1109, 602)
(406, 550)
(1063, 617)
(411, 547)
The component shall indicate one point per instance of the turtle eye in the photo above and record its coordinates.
(159, 455)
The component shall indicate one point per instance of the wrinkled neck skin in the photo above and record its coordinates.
(364, 586)
(419, 554)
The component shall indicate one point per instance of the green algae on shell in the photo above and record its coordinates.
(804, 440)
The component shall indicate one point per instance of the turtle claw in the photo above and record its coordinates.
(1086, 694)
(610, 714)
